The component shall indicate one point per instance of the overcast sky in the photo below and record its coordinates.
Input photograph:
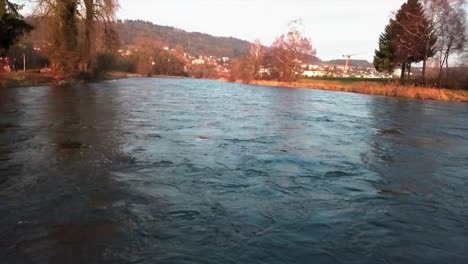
(336, 27)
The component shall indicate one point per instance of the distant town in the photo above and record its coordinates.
(307, 70)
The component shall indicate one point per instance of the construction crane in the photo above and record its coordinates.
(347, 58)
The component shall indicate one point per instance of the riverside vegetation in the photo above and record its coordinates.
(89, 48)
(392, 89)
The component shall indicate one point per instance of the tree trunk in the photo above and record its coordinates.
(443, 61)
(425, 62)
(65, 39)
(441, 68)
(446, 57)
(424, 71)
(409, 71)
(446, 68)
(403, 68)
(2, 8)
(89, 34)
(439, 78)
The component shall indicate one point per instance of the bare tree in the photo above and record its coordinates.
(100, 12)
(255, 58)
(289, 50)
(451, 32)
(145, 56)
(65, 16)
(448, 20)
(431, 9)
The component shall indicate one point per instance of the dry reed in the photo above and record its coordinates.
(374, 88)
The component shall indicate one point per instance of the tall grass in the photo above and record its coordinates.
(376, 88)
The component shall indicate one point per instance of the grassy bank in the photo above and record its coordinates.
(374, 88)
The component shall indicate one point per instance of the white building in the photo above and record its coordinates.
(198, 61)
(311, 73)
(263, 71)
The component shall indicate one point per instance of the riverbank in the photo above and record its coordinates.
(34, 78)
(114, 75)
(26, 79)
(374, 88)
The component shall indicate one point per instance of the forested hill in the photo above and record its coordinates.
(192, 42)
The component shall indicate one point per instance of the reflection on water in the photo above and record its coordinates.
(152, 170)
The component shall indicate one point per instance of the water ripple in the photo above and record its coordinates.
(195, 171)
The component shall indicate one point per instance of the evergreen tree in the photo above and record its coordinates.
(407, 39)
(412, 38)
(12, 25)
(384, 58)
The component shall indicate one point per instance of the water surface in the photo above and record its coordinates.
(183, 171)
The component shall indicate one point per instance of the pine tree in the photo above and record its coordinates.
(412, 38)
(12, 25)
(407, 39)
(384, 58)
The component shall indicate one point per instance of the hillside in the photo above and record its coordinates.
(193, 42)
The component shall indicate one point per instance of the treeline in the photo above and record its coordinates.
(421, 30)
(144, 55)
(82, 38)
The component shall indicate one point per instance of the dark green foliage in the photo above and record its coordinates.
(411, 31)
(384, 58)
(12, 25)
(107, 62)
(407, 39)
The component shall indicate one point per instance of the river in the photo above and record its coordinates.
(195, 171)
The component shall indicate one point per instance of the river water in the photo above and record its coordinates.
(194, 171)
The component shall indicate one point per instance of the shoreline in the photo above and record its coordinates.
(26, 79)
(373, 88)
(34, 79)
(31, 79)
